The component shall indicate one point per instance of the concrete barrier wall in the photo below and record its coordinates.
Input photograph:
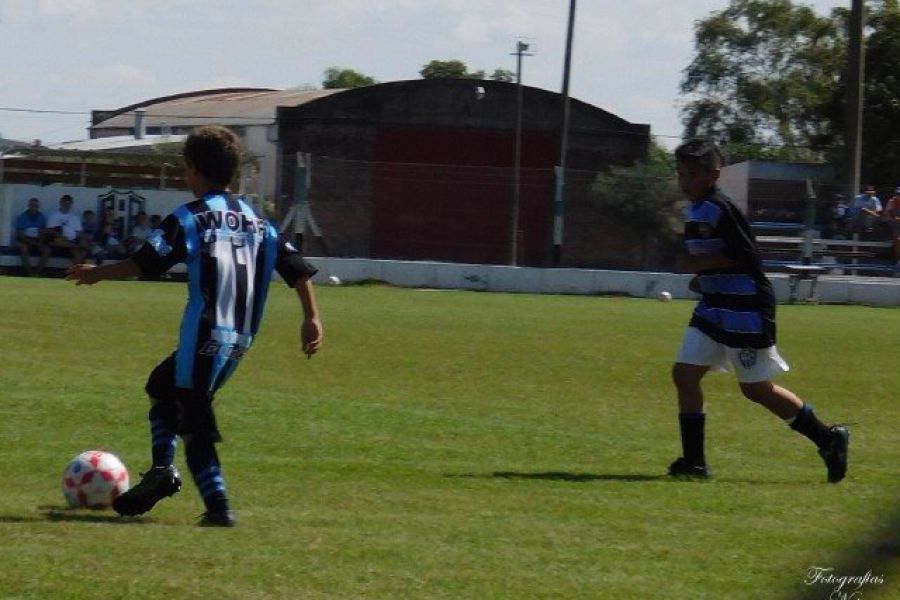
(496, 278)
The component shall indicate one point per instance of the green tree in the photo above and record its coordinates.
(339, 78)
(881, 117)
(644, 199)
(455, 69)
(764, 79)
(503, 75)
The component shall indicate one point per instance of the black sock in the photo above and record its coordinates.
(692, 425)
(809, 425)
(162, 435)
(203, 461)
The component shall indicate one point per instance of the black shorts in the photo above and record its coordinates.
(188, 412)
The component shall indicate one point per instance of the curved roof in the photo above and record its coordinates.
(229, 106)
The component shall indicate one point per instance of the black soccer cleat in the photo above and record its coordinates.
(835, 453)
(682, 469)
(223, 518)
(156, 484)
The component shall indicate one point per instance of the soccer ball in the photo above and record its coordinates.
(665, 296)
(94, 479)
(334, 280)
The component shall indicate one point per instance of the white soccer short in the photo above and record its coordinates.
(749, 364)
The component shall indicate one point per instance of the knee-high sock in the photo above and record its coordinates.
(203, 461)
(809, 425)
(162, 434)
(692, 434)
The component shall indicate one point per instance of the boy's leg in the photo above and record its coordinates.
(832, 441)
(203, 461)
(163, 479)
(691, 418)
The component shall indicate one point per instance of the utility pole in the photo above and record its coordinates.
(521, 50)
(559, 199)
(856, 78)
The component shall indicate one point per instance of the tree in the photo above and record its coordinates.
(764, 79)
(881, 119)
(769, 81)
(503, 75)
(445, 69)
(339, 78)
(643, 198)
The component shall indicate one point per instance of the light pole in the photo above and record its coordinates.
(521, 50)
(857, 61)
(559, 196)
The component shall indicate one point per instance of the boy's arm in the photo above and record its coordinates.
(311, 329)
(90, 274)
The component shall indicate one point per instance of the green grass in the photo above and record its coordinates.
(441, 445)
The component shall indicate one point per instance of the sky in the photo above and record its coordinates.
(80, 55)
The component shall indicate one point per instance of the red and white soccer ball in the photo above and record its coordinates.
(94, 479)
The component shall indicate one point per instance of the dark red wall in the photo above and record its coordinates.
(446, 194)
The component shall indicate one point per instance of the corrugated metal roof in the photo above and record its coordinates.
(256, 107)
(118, 142)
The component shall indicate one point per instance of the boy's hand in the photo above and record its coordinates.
(310, 336)
(83, 274)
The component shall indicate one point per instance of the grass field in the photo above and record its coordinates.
(443, 445)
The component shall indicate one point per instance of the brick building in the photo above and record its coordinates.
(423, 170)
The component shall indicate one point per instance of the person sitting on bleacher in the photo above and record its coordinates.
(63, 229)
(865, 210)
(892, 217)
(139, 233)
(108, 244)
(30, 226)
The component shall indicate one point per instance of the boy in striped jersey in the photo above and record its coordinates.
(733, 325)
(230, 253)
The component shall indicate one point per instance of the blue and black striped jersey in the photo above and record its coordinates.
(738, 305)
(230, 253)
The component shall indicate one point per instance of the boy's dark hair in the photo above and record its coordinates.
(701, 151)
(214, 152)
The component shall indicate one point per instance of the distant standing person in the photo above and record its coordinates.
(30, 227)
(733, 325)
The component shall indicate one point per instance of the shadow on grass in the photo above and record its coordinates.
(873, 560)
(562, 476)
(55, 514)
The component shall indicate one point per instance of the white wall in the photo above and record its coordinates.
(495, 278)
(734, 182)
(257, 143)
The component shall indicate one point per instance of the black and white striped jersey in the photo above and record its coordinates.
(738, 304)
(230, 253)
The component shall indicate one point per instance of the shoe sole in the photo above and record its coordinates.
(142, 505)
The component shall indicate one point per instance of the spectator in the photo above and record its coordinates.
(109, 244)
(139, 233)
(30, 227)
(89, 230)
(839, 218)
(892, 217)
(63, 229)
(155, 220)
(865, 210)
